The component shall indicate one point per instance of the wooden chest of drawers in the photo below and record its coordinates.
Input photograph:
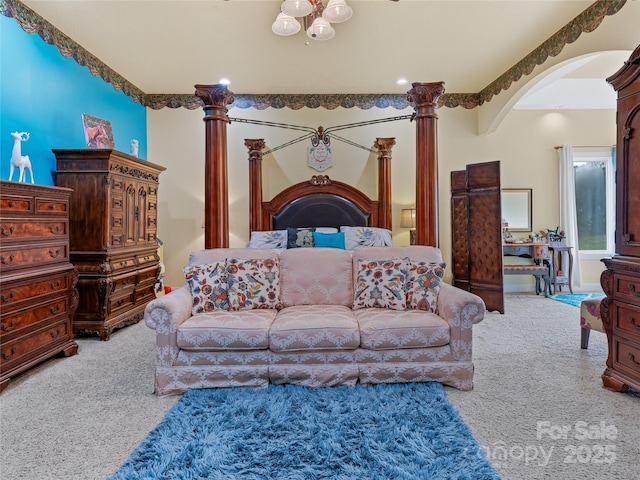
(113, 235)
(37, 282)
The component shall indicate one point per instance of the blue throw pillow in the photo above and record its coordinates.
(329, 240)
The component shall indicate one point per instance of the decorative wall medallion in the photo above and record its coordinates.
(320, 157)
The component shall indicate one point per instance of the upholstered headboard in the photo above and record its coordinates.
(319, 202)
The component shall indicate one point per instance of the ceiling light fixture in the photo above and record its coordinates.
(317, 18)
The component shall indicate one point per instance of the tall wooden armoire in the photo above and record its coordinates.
(476, 229)
(112, 235)
(621, 281)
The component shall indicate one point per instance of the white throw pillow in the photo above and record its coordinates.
(366, 236)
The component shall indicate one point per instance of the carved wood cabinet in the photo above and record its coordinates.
(620, 310)
(114, 242)
(37, 281)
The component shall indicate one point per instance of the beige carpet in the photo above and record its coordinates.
(538, 405)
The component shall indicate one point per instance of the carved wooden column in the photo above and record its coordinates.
(216, 189)
(424, 97)
(255, 147)
(384, 146)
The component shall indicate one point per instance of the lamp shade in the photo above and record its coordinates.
(320, 29)
(285, 25)
(296, 8)
(337, 11)
(408, 218)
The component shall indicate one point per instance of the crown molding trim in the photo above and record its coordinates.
(587, 21)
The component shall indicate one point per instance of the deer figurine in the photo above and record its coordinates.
(17, 159)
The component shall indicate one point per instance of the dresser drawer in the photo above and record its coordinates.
(12, 294)
(12, 205)
(626, 356)
(20, 230)
(11, 353)
(121, 303)
(626, 288)
(12, 323)
(13, 258)
(148, 275)
(149, 258)
(56, 206)
(122, 283)
(627, 318)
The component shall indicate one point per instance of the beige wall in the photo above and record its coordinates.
(523, 143)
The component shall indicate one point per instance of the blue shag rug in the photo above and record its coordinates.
(575, 298)
(287, 432)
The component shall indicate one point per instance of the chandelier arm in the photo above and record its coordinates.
(291, 142)
(273, 124)
(369, 122)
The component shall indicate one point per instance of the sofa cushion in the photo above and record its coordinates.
(423, 285)
(314, 327)
(316, 276)
(212, 255)
(226, 330)
(253, 283)
(382, 329)
(380, 284)
(208, 285)
(300, 237)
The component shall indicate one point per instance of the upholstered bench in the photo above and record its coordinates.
(590, 319)
(538, 271)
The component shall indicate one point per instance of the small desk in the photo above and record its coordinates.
(562, 279)
(541, 267)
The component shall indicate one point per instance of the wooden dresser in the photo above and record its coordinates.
(113, 235)
(620, 310)
(37, 282)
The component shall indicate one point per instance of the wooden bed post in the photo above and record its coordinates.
(424, 96)
(216, 184)
(384, 146)
(255, 147)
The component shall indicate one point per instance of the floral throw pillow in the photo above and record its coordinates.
(208, 284)
(268, 239)
(423, 285)
(253, 283)
(380, 284)
(300, 237)
(366, 236)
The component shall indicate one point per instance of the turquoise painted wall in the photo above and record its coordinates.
(45, 94)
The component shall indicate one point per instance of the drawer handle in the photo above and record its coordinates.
(632, 322)
(8, 298)
(55, 310)
(55, 254)
(12, 204)
(8, 356)
(121, 302)
(52, 206)
(4, 328)
(55, 229)
(55, 286)
(55, 333)
(632, 288)
(633, 359)
(7, 232)
(8, 261)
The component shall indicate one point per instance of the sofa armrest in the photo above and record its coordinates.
(165, 314)
(461, 310)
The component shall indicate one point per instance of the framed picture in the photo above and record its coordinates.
(97, 132)
(516, 209)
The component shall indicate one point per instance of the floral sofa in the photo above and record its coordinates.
(314, 317)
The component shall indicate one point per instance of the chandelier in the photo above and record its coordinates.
(317, 18)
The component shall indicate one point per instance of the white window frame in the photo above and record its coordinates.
(606, 157)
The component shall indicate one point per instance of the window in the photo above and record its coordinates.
(595, 202)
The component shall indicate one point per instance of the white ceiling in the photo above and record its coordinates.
(168, 46)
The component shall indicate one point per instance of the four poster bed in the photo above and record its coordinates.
(284, 207)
